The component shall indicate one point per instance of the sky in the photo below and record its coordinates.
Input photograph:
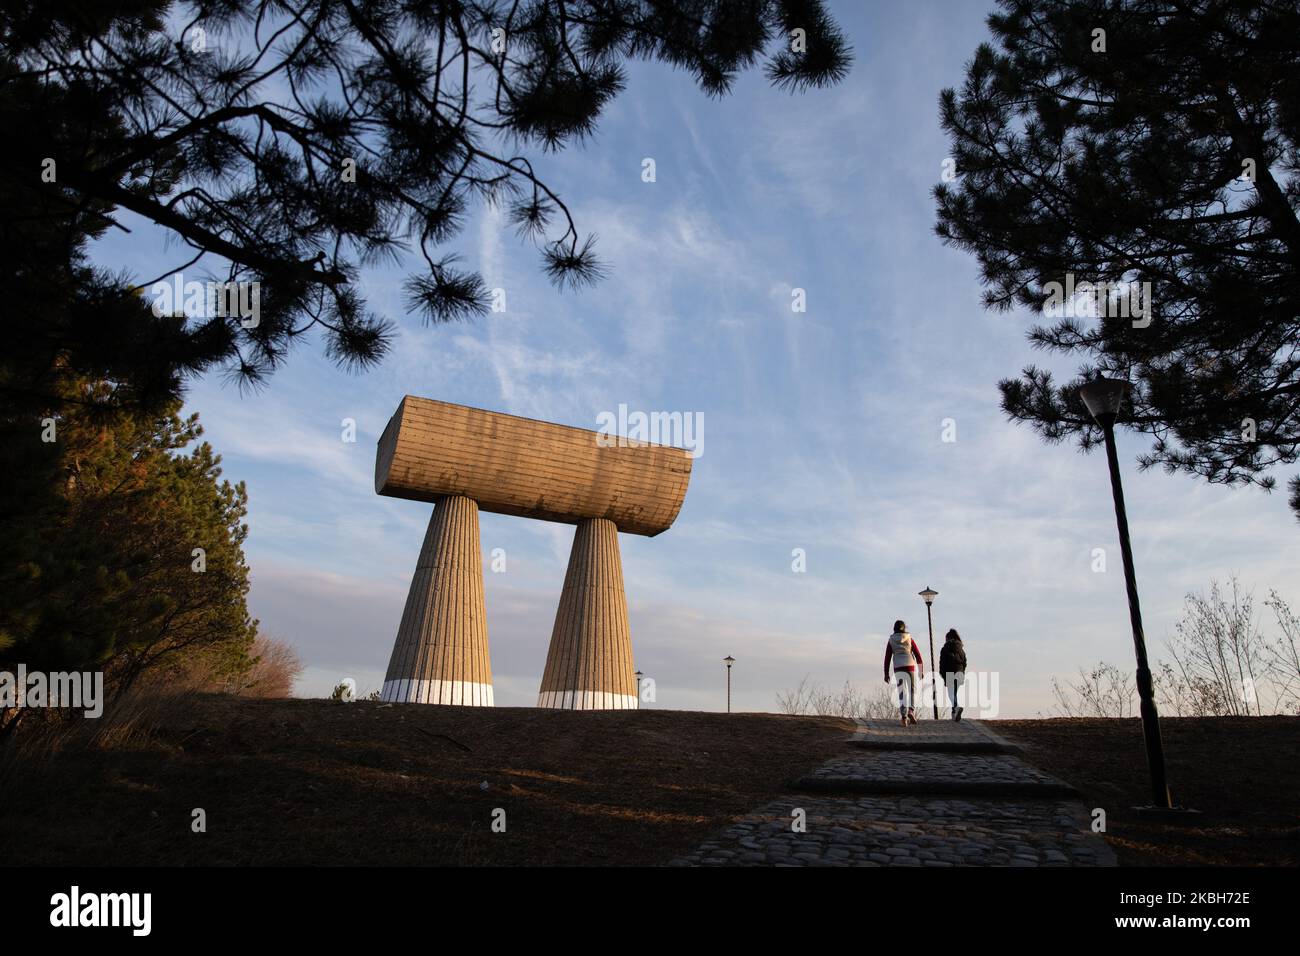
(824, 430)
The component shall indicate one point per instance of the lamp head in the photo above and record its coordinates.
(1103, 398)
(928, 595)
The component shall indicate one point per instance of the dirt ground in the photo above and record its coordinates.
(1242, 773)
(315, 782)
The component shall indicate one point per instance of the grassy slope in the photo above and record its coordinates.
(312, 782)
(1242, 773)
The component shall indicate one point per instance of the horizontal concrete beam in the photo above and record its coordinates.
(519, 466)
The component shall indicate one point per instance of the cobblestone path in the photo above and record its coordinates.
(941, 793)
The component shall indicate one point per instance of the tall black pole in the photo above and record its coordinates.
(934, 689)
(728, 688)
(1145, 685)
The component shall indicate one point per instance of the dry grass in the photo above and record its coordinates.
(46, 737)
(1241, 772)
(314, 782)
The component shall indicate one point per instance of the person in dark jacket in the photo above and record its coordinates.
(952, 668)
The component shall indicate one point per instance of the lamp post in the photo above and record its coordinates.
(928, 596)
(728, 660)
(1103, 397)
(638, 690)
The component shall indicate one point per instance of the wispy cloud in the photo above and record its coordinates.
(825, 428)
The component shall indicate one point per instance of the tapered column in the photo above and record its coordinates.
(589, 664)
(441, 653)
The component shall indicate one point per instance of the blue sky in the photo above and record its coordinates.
(823, 429)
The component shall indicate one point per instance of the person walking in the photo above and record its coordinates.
(905, 656)
(952, 668)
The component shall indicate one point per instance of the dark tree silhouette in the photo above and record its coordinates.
(290, 142)
(1162, 150)
(98, 539)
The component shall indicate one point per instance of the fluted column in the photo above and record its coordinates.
(441, 652)
(589, 664)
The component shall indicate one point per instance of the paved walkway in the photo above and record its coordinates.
(941, 793)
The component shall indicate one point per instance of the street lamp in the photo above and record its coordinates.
(728, 660)
(638, 690)
(928, 596)
(1103, 397)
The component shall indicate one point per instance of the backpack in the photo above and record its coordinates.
(900, 646)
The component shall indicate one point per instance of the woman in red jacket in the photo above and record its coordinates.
(905, 655)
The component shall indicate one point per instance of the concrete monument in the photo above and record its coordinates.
(467, 460)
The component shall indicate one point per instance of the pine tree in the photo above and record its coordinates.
(289, 144)
(1143, 142)
(120, 546)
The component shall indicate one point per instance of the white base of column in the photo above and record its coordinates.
(464, 693)
(586, 700)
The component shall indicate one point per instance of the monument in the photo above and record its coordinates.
(466, 460)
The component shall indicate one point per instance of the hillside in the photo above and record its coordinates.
(316, 782)
(1240, 772)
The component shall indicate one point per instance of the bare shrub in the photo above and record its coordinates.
(267, 669)
(1283, 654)
(848, 701)
(794, 701)
(1175, 696)
(276, 666)
(1218, 653)
(1221, 665)
(1110, 691)
(1104, 691)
